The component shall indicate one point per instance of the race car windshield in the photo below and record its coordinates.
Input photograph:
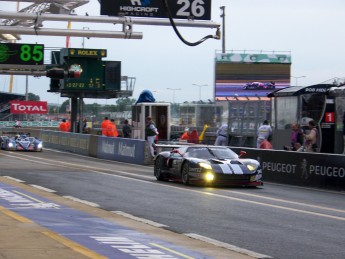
(208, 153)
(223, 153)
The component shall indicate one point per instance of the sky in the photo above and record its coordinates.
(311, 31)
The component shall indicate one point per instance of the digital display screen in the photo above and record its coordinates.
(21, 54)
(250, 79)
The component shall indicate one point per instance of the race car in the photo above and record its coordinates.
(21, 143)
(259, 86)
(207, 165)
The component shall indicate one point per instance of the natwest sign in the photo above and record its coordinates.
(29, 107)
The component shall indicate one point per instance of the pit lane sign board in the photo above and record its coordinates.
(180, 9)
(21, 54)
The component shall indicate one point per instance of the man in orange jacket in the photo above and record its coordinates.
(63, 126)
(104, 125)
(111, 130)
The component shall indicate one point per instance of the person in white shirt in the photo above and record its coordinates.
(222, 136)
(264, 132)
(151, 132)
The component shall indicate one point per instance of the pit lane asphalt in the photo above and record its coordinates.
(39, 224)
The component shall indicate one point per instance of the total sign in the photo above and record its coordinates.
(29, 107)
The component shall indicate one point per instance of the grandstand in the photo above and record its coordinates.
(5, 99)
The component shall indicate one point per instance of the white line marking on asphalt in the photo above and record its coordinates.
(42, 188)
(146, 221)
(227, 246)
(14, 179)
(82, 201)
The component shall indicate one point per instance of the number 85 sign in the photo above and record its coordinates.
(21, 54)
(179, 9)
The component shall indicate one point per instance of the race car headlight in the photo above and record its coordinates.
(209, 177)
(10, 144)
(205, 165)
(252, 167)
(40, 145)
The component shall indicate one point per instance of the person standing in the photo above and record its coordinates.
(126, 129)
(63, 126)
(86, 129)
(264, 132)
(194, 137)
(150, 133)
(111, 130)
(104, 125)
(222, 136)
(185, 135)
(310, 144)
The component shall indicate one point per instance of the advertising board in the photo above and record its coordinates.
(29, 107)
(186, 9)
(250, 75)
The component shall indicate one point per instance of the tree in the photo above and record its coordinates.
(124, 104)
(63, 107)
(33, 97)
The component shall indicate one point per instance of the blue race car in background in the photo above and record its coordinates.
(210, 165)
(21, 143)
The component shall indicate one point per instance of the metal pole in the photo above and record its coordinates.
(223, 29)
(27, 88)
(40, 17)
(26, 92)
(200, 89)
(173, 90)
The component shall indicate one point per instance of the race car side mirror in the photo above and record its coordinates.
(243, 153)
(175, 151)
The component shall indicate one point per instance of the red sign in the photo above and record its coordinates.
(29, 107)
(329, 117)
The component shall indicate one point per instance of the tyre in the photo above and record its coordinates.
(158, 169)
(185, 174)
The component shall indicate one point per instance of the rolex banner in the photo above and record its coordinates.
(29, 107)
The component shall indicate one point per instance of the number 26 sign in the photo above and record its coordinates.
(179, 9)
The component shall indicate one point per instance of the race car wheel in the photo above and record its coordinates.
(185, 174)
(158, 169)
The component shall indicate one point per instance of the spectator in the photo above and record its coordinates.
(185, 135)
(86, 129)
(194, 137)
(17, 124)
(104, 125)
(310, 143)
(150, 133)
(304, 122)
(222, 136)
(296, 137)
(264, 132)
(126, 129)
(111, 130)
